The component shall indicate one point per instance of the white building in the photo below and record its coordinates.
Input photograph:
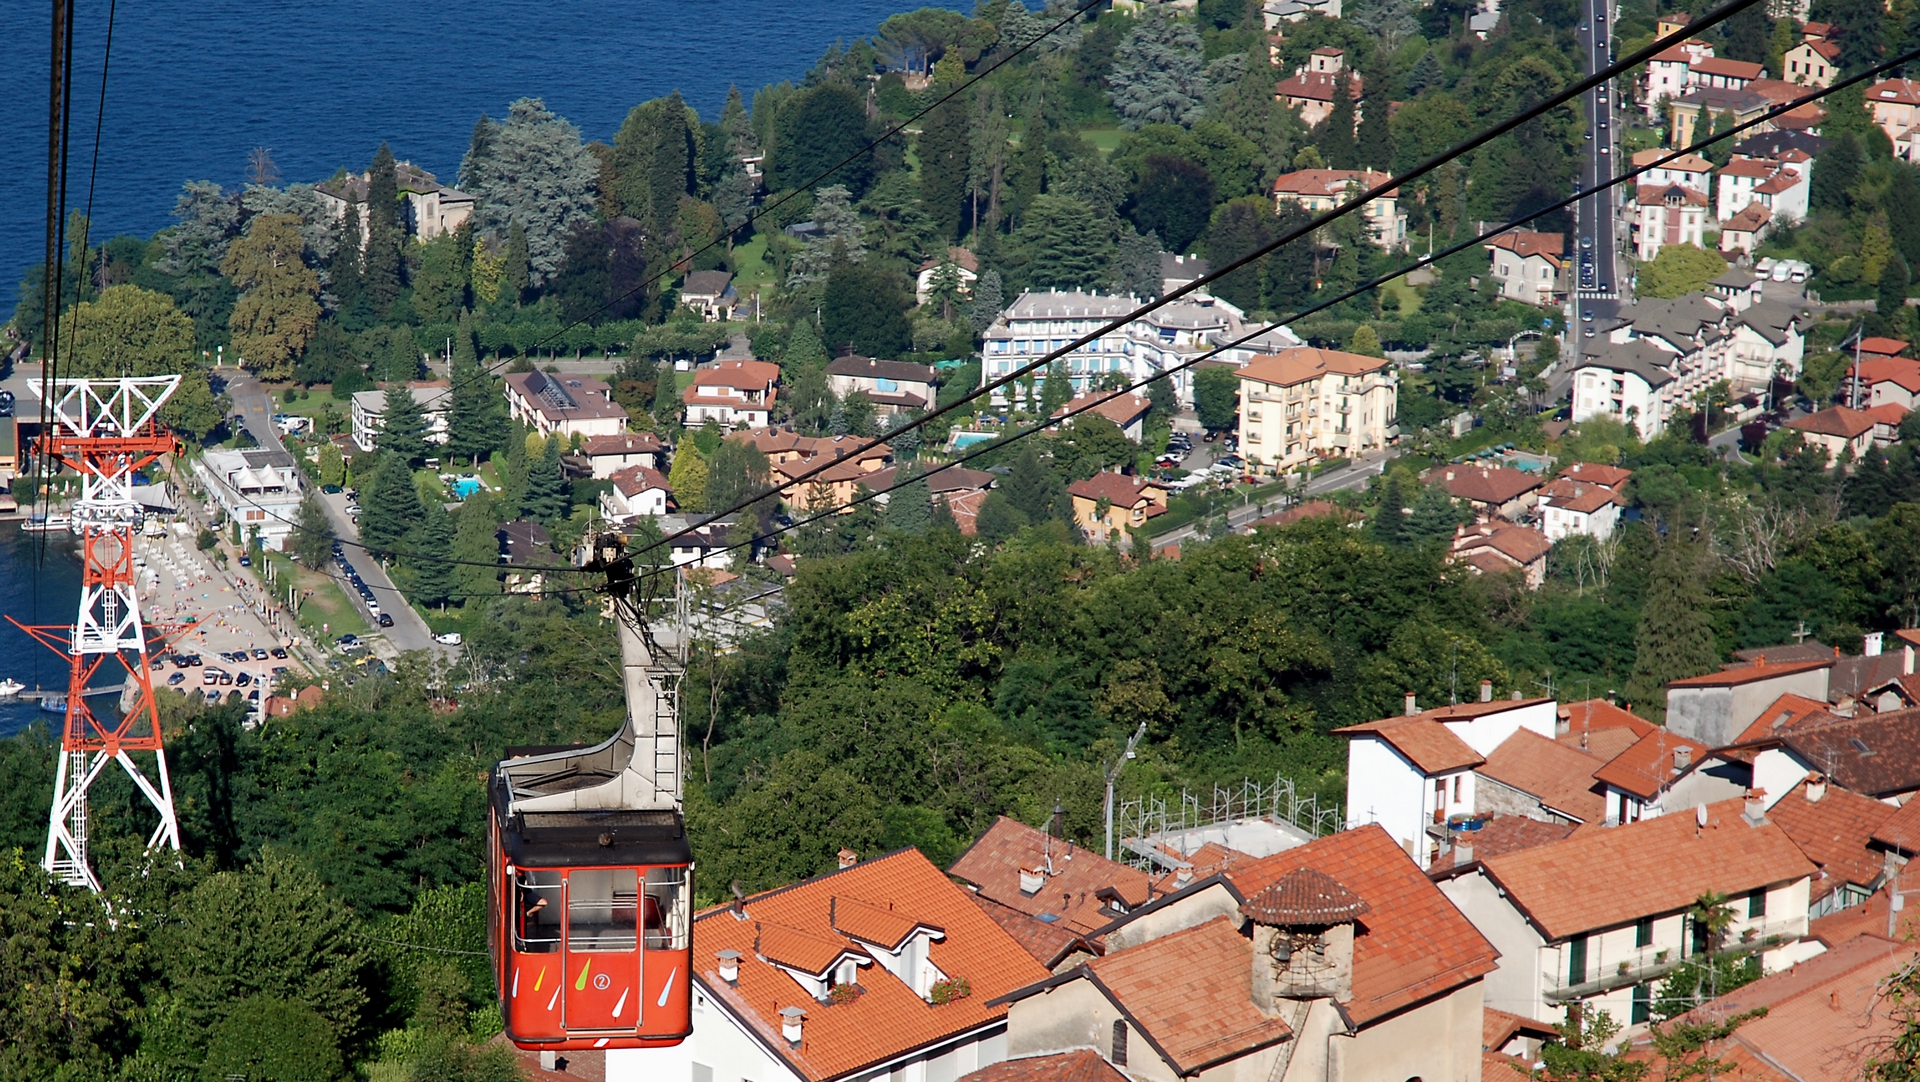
(732, 394)
(1528, 265)
(1601, 917)
(1688, 170)
(569, 405)
(1039, 323)
(370, 407)
(1569, 506)
(1409, 773)
(1627, 383)
(259, 489)
(636, 491)
(1667, 214)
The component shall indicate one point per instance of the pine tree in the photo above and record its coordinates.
(988, 299)
(403, 424)
(804, 350)
(545, 498)
(943, 146)
(1334, 137)
(1426, 74)
(476, 414)
(312, 533)
(1035, 490)
(1890, 303)
(1057, 391)
(1290, 270)
(667, 404)
(391, 509)
(383, 274)
(433, 577)
(475, 543)
(343, 270)
(1389, 523)
(518, 271)
(688, 478)
(942, 517)
(1835, 172)
(1675, 636)
(1746, 36)
(1434, 516)
(910, 504)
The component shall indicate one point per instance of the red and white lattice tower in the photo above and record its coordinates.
(104, 429)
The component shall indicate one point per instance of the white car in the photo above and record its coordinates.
(451, 638)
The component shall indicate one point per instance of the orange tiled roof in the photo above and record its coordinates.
(1050, 945)
(1558, 776)
(889, 1019)
(1521, 544)
(1751, 219)
(1569, 495)
(1328, 182)
(1483, 484)
(1897, 370)
(1900, 830)
(1599, 714)
(1303, 363)
(1888, 413)
(1834, 832)
(1307, 510)
(621, 443)
(1647, 767)
(1121, 407)
(1497, 1027)
(1084, 1065)
(1747, 674)
(1318, 86)
(1071, 894)
(1570, 887)
(1890, 347)
(1414, 945)
(1786, 712)
(1782, 181)
(1427, 744)
(742, 375)
(633, 480)
(869, 923)
(1868, 918)
(1835, 421)
(1503, 834)
(1191, 994)
(1731, 69)
(1523, 244)
(1118, 489)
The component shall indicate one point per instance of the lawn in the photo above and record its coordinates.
(325, 612)
(751, 269)
(1408, 296)
(1107, 139)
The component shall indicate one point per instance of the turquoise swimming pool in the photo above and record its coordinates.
(960, 441)
(465, 487)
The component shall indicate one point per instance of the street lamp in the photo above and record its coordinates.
(1113, 772)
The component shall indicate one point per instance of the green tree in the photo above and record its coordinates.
(1057, 389)
(817, 130)
(910, 505)
(1035, 490)
(130, 331)
(1335, 135)
(1580, 1055)
(688, 478)
(1894, 1059)
(434, 580)
(440, 286)
(384, 267)
(270, 1039)
(271, 930)
(1434, 517)
(1891, 296)
(533, 180)
(945, 138)
(313, 532)
(653, 161)
(1389, 523)
(475, 546)
(1239, 226)
(1216, 396)
(1373, 143)
(1675, 637)
(333, 464)
(737, 472)
(1172, 199)
(1061, 245)
(403, 423)
(545, 497)
(278, 308)
(789, 825)
(1835, 172)
(516, 266)
(391, 510)
(476, 413)
(1159, 75)
(1365, 342)
(1679, 269)
(864, 308)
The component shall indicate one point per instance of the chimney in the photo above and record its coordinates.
(790, 1021)
(1486, 691)
(1816, 787)
(848, 858)
(1906, 660)
(1462, 852)
(1682, 757)
(1562, 722)
(1031, 880)
(1872, 645)
(1514, 695)
(1756, 809)
(729, 966)
(1059, 820)
(739, 902)
(1183, 876)
(1411, 708)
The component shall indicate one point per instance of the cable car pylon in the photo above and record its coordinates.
(105, 430)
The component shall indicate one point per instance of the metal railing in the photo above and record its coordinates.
(1655, 961)
(1145, 822)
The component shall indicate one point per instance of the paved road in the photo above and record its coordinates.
(1364, 468)
(1594, 214)
(409, 632)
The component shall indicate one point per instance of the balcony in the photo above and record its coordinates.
(1653, 962)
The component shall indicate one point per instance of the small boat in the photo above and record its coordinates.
(54, 704)
(10, 688)
(54, 523)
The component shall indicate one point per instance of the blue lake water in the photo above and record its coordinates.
(195, 84)
(38, 585)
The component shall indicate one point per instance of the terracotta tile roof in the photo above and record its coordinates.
(1834, 832)
(889, 1018)
(1191, 994)
(1598, 716)
(1307, 510)
(1578, 496)
(827, 473)
(1889, 414)
(1328, 182)
(1604, 744)
(952, 480)
(1427, 744)
(1414, 945)
(1119, 490)
(1498, 1027)
(1121, 407)
(1856, 674)
(1876, 755)
(1900, 829)
(1890, 347)
(1729, 69)
(1827, 49)
(1048, 943)
(1492, 485)
(1685, 163)
(1751, 219)
(1897, 370)
(1648, 195)
(1786, 712)
(1070, 897)
(1559, 777)
(1503, 834)
(1647, 767)
(623, 443)
(633, 480)
(1521, 544)
(1318, 86)
(1823, 1015)
(966, 511)
(1303, 363)
(1895, 91)
(1523, 244)
(1785, 653)
(1304, 896)
(1210, 859)
(1869, 918)
(800, 950)
(1747, 674)
(1084, 1065)
(741, 375)
(869, 923)
(1784, 180)
(1574, 886)
(1751, 168)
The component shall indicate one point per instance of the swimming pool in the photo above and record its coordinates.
(465, 487)
(960, 441)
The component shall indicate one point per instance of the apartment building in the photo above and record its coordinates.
(1320, 190)
(1307, 403)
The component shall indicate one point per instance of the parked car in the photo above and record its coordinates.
(259, 654)
(347, 640)
(386, 620)
(176, 679)
(279, 653)
(242, 680)
(279, 669)
(331, 490)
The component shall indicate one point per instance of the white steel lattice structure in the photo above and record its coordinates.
(104, 430)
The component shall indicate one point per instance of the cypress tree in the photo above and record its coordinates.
(384, 233)
(1373, 146)
(1389, 519)
(516, 282)
(392, 509)
(434, 579)
(945, 139)
(1290, 270)
(343, 270)
(1335, 137)
(910, 504)
(403, 424)
(666, 400)
(1835, 172)
(1057, 390)
(403, 355)
(1902, 204)
(476, 416)
(1675, 636)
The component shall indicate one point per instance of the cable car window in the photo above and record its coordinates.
(666, 909)
(536, 912)
(601, 909)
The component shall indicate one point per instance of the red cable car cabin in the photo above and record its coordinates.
(591, 946)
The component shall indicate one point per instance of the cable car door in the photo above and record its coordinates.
(601, 992)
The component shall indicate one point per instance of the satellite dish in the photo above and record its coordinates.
(1700, 815)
